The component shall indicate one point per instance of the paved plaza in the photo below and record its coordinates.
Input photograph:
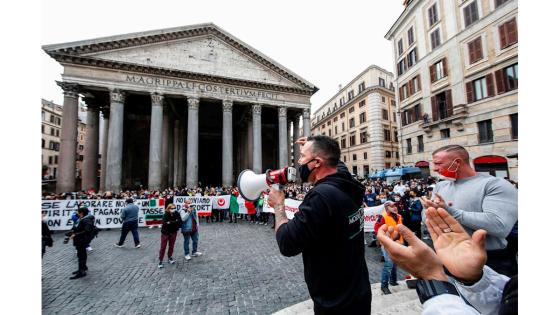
(241, 271)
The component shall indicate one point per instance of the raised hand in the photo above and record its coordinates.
(462, 255)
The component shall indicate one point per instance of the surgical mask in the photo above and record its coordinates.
(304, 171)
(383, 200)
(448, 174)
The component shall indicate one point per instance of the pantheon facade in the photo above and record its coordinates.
(191, 105)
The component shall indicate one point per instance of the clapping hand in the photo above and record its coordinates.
(438, 202)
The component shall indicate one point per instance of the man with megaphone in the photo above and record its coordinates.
(327, 230)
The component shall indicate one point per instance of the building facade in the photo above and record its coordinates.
(362, 118)
(457, 74)
(190, 105)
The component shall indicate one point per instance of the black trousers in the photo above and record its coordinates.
(82, 258)
(502, 261)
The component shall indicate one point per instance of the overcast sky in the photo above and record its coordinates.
(326, 42)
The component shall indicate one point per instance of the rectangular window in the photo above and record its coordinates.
(352, 123)
(411, 58)
(470, 13)
(420, 143)
(42, 143)
(382, 82)
(56, 159)
(485, 134)
(363, 137)
(393, 103)
(366, 170)
(42, 128)
(387, 165)
(43, 116)
(382, 99)
(445, 133)
(435, 38)
(335, 130)
(341, 115)
(433, 14)
(480, 90)
(397, 154)
(498, 3)
(343, 142)
(355, 170)
(409, 146)
(365, 155)
(394, 117)
(345, 159)
(439, 70)
(351, 95)
(342, 126)
(396, 136)
(361, 87)
(400, 46)
(442, 105)
(387, 134)
(401, 66)
(385, 114)
(362, 118)
(508, 33)
(410, 36)
(510, 74)
(387, 154)
(362, 104)
(50, 160)
(352, 140)
(475, 50)
(513, 119)
(330, 133)
(52, 118)
(57, 133)
(351, 109)
(52, 131)
(354, 157)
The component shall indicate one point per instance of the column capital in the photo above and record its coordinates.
(306, 113)
(282, 111)
(117, 96)
(193, 103)
(256, 109)
(157, 99)
(69, 89)
(227, 105)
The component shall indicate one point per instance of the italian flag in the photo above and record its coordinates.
(155, 219)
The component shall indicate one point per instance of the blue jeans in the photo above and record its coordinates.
(389, 270)
(187, 237)
(132, 227)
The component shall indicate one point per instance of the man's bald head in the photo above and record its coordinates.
(456, 151)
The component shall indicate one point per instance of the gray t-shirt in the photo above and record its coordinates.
(482, 202)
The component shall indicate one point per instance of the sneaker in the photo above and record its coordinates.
(393, 284)
(78, 275)
(196, 254)
(89, 249)
(117, 245)
(160, 265)
(385, 290)
(188, 257)
(138, 246)
(171, 261)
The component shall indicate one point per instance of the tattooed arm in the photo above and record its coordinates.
(280, 216)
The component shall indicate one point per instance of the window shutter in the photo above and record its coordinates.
(448, 103)
(415, 114)
(432, 73)
(435, 115)
(470, 92)
(500, 84)
(490, 84)
(409, 86)
(478, 49)
(503, 40)
(400, 94)
(472, 56)
(403, 119)
(419, 83)
(511, 32)
(444, 61)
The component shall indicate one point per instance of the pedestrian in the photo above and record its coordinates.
(46, 235)
(327, 230)
(478, 201)
(251, 210)
(390, 217)
(129, 215)
(415, 221)
(233, 206)
(189, 229)
(82, 234)
(171, 223)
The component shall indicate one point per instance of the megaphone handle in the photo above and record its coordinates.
(278, 186)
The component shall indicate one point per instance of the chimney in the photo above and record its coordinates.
(340, 87)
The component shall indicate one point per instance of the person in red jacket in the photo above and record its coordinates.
(392, 218)
(251, 210)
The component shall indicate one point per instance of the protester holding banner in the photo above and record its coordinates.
(82, 234)
(171, 223)
(129, 215)
(189, 229)
(327, 230)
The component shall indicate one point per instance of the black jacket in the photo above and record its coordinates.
(171, 222)
(83, 232)
(328, 231)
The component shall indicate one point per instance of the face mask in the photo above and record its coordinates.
(448, 174)
(304, 172)
(397, 199)
(383, 200)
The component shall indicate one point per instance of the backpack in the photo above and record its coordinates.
(95, 231)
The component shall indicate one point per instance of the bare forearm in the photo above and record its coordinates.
(280, 216)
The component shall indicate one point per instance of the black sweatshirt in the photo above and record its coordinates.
(328, 231)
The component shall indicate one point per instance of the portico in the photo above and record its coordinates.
(185, 106)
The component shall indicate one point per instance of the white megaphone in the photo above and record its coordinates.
(251, 185)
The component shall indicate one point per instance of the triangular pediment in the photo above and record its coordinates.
(200, 49)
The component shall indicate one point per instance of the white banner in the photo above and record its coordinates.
(107, 212)
(241, 203)
(370, 217)
(203, 205)
(291, 206)
(221, 202)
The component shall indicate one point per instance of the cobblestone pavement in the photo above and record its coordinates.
(241, 271)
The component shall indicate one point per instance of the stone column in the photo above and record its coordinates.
(295, 146)
(105, 112)
(192, 143)
(91, 149)
(227, 143)
(66, 179)
(282, 138)
(165, 148)
(115, 143)
(257, 139)
(156, 132)
(176, 152)
(171, 157)
(306, 124)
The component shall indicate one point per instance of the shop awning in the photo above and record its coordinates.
(490, 159)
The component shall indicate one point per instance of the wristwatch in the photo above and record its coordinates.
(427, 289)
